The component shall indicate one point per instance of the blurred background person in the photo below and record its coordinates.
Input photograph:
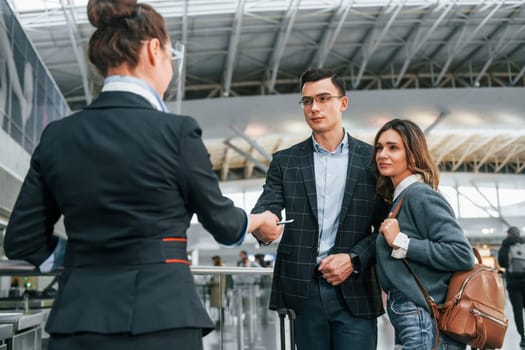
(127, 177)
(265, 285)
(244, 260)
(219, 284)
(514, 277)
(259, 259)
(248, 284)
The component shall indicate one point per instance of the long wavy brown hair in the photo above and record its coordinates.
(418, 156)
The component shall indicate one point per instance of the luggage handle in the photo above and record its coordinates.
(291, 316)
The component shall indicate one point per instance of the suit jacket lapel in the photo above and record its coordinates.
(307, 168)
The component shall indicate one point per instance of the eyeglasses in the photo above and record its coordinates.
(308, 101)
(175, 54)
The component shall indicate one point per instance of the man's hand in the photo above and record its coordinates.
(264, 226)
(336, 268)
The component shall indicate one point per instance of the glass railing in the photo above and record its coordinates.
(237, 300)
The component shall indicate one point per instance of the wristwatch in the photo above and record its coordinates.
(356, 264)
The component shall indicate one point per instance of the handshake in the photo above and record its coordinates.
(266, 227)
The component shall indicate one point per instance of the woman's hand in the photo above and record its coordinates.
(390, 229)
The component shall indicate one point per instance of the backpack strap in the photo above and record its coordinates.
(430, 301)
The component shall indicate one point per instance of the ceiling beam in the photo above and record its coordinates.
(514, 81)
(379, 81)
(225, 168)
(495, 208)
(465, 38)
(493, 53)
(410, 33)
(488, 212)
(513, 152)
(468, 151)
(331, 34)
(37, 19)
(504, 25)
(280, 44)
(498, 144)
(442, 115)
(498, 49)
(252, 143)
(373, 42)
(418, 44)
(233, 46)
(248, 169)
(259, 165)
(520, 168)
(181, 69)
(450, 147)
(75, 39)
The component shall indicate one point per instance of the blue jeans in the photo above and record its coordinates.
(414, 326)
(325, 323)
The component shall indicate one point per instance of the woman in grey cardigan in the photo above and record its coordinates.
(425, 232)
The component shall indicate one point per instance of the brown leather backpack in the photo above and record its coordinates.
(473, 311)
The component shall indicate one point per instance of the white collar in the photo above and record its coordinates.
(407, 181)
(135, 86)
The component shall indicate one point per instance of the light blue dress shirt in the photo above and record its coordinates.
(330, 179)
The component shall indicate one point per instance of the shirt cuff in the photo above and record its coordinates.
(402, 242)
(56, 259)
(241, 241)
(47, 265)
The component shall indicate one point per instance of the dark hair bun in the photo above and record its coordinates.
(102, 13)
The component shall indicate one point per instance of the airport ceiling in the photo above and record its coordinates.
(247, 48)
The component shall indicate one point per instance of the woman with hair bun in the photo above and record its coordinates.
(127, 177)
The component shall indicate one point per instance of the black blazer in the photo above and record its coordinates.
(290, 184)
(127, 179)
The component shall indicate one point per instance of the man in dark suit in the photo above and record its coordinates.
(325, 260)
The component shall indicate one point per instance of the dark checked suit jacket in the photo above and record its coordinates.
(290, 184)
(127, 179)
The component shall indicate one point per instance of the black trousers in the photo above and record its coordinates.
(175, 339)
(516, 291)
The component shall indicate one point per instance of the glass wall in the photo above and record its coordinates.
(29, 97)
